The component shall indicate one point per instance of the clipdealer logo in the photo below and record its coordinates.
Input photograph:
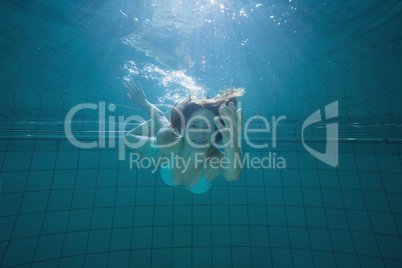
(330, 156)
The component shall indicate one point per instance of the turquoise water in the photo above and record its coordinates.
(65, 206)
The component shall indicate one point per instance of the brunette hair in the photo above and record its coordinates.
(189, 106)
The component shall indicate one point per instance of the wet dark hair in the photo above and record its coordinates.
(190, 105)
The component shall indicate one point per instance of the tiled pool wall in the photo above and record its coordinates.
(69, 207)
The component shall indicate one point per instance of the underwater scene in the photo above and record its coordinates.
(200, 133)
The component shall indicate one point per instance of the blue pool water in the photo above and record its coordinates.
(62, 205)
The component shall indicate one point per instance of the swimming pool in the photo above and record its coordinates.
(74, 201)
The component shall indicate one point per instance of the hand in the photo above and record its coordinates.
(135, 93)
(233, 121)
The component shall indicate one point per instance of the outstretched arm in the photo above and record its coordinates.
(137, 96)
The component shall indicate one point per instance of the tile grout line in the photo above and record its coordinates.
(286, 214)
(113, 214)
(92, 212)
(303, 202)
(133, 225)
(266, 213)
(47, 202)
(388, 203)
(17, 215)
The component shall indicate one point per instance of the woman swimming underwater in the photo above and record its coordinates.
(194, 126)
